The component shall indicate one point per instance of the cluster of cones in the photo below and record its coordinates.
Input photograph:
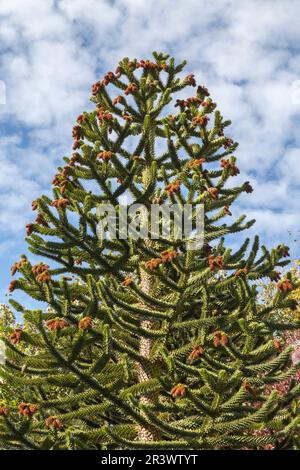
(165, 257)
(55, 324)
(41, 272)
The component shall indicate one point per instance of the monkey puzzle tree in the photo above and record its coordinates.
(145, 343)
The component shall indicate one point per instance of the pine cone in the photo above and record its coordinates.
(179, 391)
(85, 323)
(15, 337)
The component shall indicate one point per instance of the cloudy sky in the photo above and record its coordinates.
(246, 53)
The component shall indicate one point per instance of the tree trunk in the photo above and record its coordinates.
(143, 370)
(144, 373)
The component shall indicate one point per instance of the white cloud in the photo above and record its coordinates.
(99, 14)
(289, 166)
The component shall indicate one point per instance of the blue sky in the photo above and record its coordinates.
(246, 53)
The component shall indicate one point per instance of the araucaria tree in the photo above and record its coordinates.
(147, 344)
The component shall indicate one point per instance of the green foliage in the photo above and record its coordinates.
(133, 354)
